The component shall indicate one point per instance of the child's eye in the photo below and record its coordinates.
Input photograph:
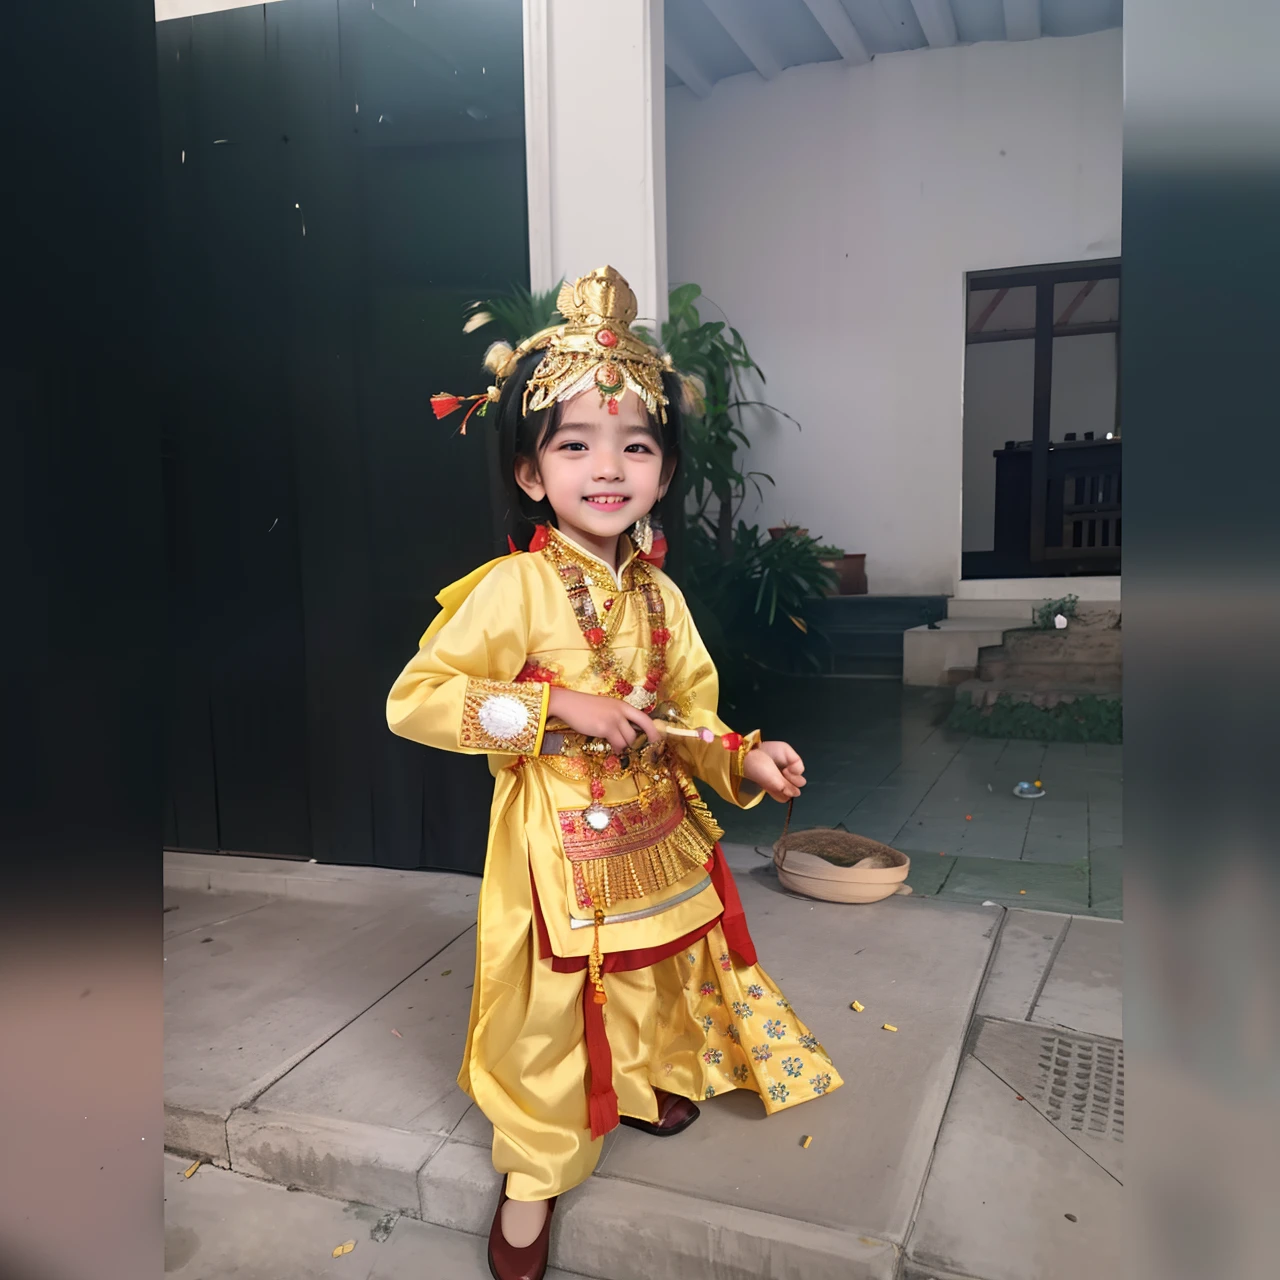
(644, 448)
(573, 444)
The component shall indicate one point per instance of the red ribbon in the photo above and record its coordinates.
(657, 554)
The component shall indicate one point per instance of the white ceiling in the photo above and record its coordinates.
(709, 40)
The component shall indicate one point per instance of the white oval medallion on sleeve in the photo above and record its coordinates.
(503, 718)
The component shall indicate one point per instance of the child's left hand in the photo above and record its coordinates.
(776, 768)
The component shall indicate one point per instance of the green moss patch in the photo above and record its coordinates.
(1086, 719)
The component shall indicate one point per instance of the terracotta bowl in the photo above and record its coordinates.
(837, 877)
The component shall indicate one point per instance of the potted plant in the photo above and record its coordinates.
(850, 569)
(785, 528)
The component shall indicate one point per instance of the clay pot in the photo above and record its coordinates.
(852, 574)
(778, 531)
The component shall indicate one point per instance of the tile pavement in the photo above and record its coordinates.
(880, 763)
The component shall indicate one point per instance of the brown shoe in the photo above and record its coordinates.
(675, 1115)
(506, 1262)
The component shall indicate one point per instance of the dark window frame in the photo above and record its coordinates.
(1044, 279)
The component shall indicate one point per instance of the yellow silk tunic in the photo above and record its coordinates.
(524, 1061)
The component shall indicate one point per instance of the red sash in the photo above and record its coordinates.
(602, 1101)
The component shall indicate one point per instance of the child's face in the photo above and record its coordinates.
(600, 471)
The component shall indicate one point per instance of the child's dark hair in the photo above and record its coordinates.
(522, 436)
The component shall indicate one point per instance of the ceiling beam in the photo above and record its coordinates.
(746, 35)
(988, 311)
(832, 18)
(937, 21)
(686, 66)
(1022, 19)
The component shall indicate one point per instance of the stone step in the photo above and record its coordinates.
(1045, 675)
(1069, 645)
(1042, 660)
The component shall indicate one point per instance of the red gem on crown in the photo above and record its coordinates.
(607, 338)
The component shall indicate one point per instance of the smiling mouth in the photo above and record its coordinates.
(606, 501)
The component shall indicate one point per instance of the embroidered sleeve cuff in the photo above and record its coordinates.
(748, 743)
(752, 795)
(504, 716)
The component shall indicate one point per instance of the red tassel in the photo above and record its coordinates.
(511, 542)
(602, 1101)
(445, 404)
(540, 538)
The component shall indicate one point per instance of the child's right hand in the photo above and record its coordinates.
(596, 716)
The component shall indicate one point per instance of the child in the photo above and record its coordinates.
(577, 669)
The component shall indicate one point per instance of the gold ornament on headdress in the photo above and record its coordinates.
(593, 348)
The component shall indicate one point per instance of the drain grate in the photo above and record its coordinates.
(1081, 1085)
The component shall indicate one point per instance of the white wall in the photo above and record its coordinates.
(833, 213)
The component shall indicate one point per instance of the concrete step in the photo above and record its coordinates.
(222, 1224)
(1094, 589)
(865, 632)
(1022, 1180)
(877, 613)
(930, 654)
(351, 1093)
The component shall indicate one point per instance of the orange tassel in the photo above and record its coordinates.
(479, 400)
(594, 976)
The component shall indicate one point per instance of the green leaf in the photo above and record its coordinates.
(683, 296)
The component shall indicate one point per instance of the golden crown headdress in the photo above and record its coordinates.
(594, 347)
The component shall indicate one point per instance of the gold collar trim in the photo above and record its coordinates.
(594, 569)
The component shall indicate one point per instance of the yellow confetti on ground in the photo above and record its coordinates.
(856, 1007)
(888, 1026)
(188, 1172)
(446, 973)
(1023, 892)
(808, 1138)
(344, 1248)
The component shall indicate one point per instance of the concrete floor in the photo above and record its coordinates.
(314, 1025)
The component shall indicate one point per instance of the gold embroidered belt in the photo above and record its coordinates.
(647, 844)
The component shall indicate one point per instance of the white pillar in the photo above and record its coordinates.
(595, 141)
